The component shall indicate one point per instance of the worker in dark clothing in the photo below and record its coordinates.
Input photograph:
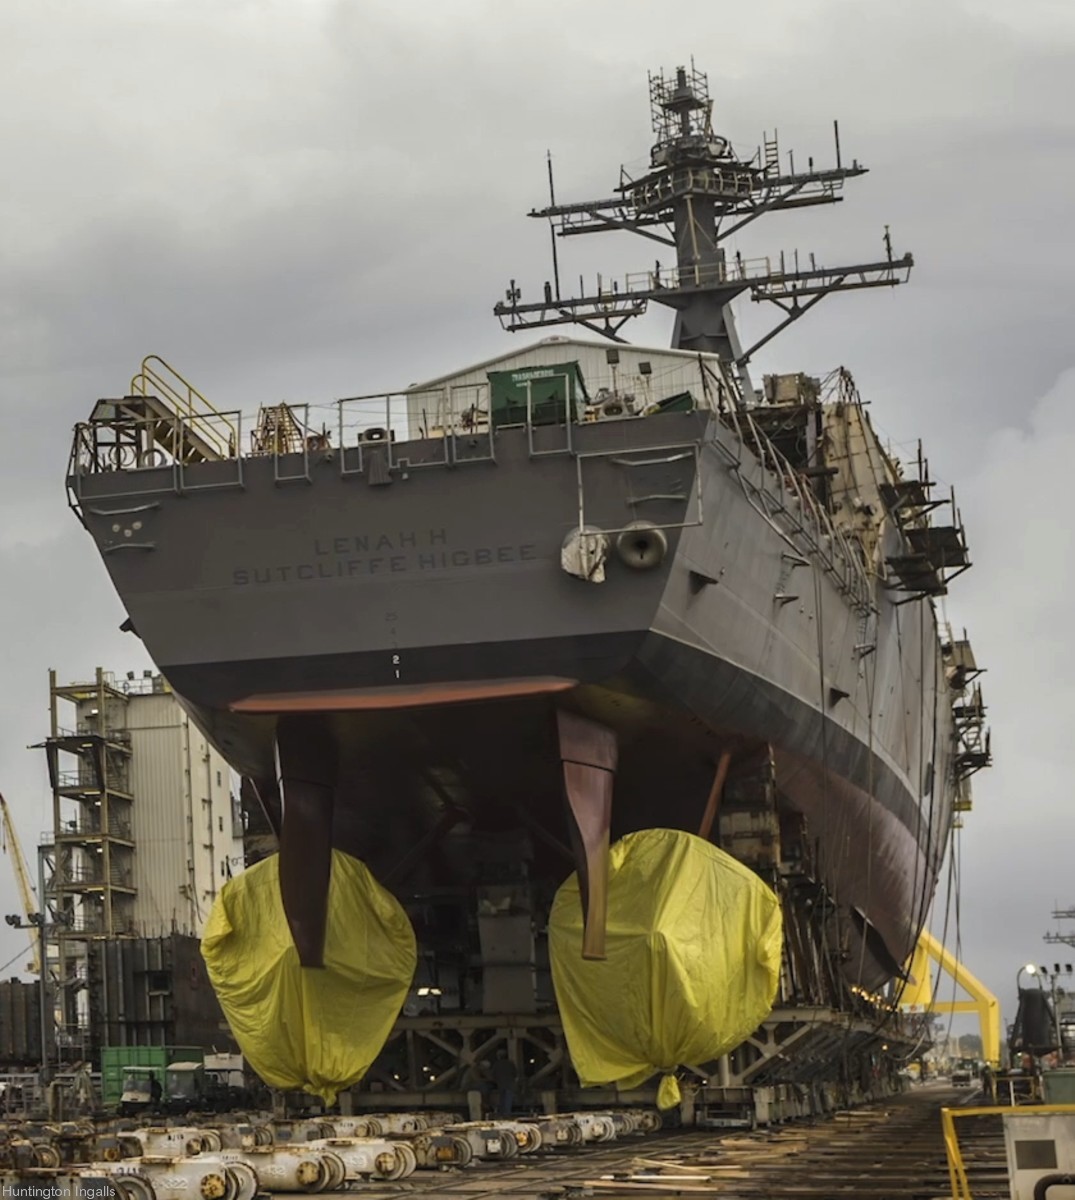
(505, 1077)
(155, 1091)
(477, 1077)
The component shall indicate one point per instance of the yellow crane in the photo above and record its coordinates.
(22, 876)
(920, 993)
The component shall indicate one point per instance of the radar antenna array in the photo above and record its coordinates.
(696, 194)
(1066, 938)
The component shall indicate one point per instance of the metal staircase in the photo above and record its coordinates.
(175, 422)
(277, 431)
(771, 156)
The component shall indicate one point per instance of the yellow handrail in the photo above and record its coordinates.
(957, 1170)
(187, 401)
(982, 1002)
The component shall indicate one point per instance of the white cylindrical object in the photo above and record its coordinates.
(247, 1182)
(486, 1141)
(373, 1158)
(400, 1122)
(133, 1187)
(558, 1131)
(596, 1127)
(180, 1142)
(286, 1168)
(435, 1148)
(180, 1178)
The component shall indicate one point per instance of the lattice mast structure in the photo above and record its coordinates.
(696, 195)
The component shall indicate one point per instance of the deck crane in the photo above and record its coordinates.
(22, 877)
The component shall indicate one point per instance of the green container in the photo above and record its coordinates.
(683, 402)
(115, 1061)
(550, 389)
(1058, 1087)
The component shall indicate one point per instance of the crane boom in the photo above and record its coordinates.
(982, 1002)
(22, 875)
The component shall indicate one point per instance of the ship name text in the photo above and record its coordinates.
(358, 555)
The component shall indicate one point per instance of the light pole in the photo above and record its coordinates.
(1030, 969)
(1052, 978)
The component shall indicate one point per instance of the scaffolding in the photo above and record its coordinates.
(144, 834)
(87, 866)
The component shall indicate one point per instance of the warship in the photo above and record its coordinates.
(472, 630)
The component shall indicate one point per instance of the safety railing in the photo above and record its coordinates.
(89, 923)
(125, 443)
(88, 829)
(451, 425)
(662, 455)
(780, 495)
(958, 1173)
(733, 270)
(84, 876)
(87, 781)
(87, 731)
(440, 426)
(159, 379)
(75, 779)
(723, 181)
(117, 439)
(223, 431)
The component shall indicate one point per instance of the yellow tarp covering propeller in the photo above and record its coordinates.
(318, 1030)
(693, 962)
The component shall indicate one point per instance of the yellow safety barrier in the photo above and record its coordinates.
(161, 379)
(983, 1003)
(957, 1171)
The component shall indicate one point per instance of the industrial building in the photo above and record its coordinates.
(599, 381)
(145, 834)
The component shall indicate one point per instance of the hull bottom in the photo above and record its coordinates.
(420, 788)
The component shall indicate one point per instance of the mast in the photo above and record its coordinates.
(697, 194)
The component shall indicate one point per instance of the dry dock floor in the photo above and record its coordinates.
(892, 1150)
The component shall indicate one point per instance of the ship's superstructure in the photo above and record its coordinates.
(470, 631)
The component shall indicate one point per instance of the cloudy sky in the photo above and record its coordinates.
(300, 199)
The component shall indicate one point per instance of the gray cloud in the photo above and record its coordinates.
(303, 200)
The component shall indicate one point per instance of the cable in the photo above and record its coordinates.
(27, 949)
(957, 856)
(924, 901)
(871, 803)
(933, 987)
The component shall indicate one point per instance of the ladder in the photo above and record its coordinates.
(277, 431)
(179, 419)
(770, 155)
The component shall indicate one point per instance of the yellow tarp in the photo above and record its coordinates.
(694, 945)
(318, 1030)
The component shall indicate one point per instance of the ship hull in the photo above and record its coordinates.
(432, 616)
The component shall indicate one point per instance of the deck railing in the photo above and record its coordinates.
(158, 379)
(451, 424)
(781, 496)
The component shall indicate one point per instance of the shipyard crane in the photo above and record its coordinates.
(920, 993)
(22, 875)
